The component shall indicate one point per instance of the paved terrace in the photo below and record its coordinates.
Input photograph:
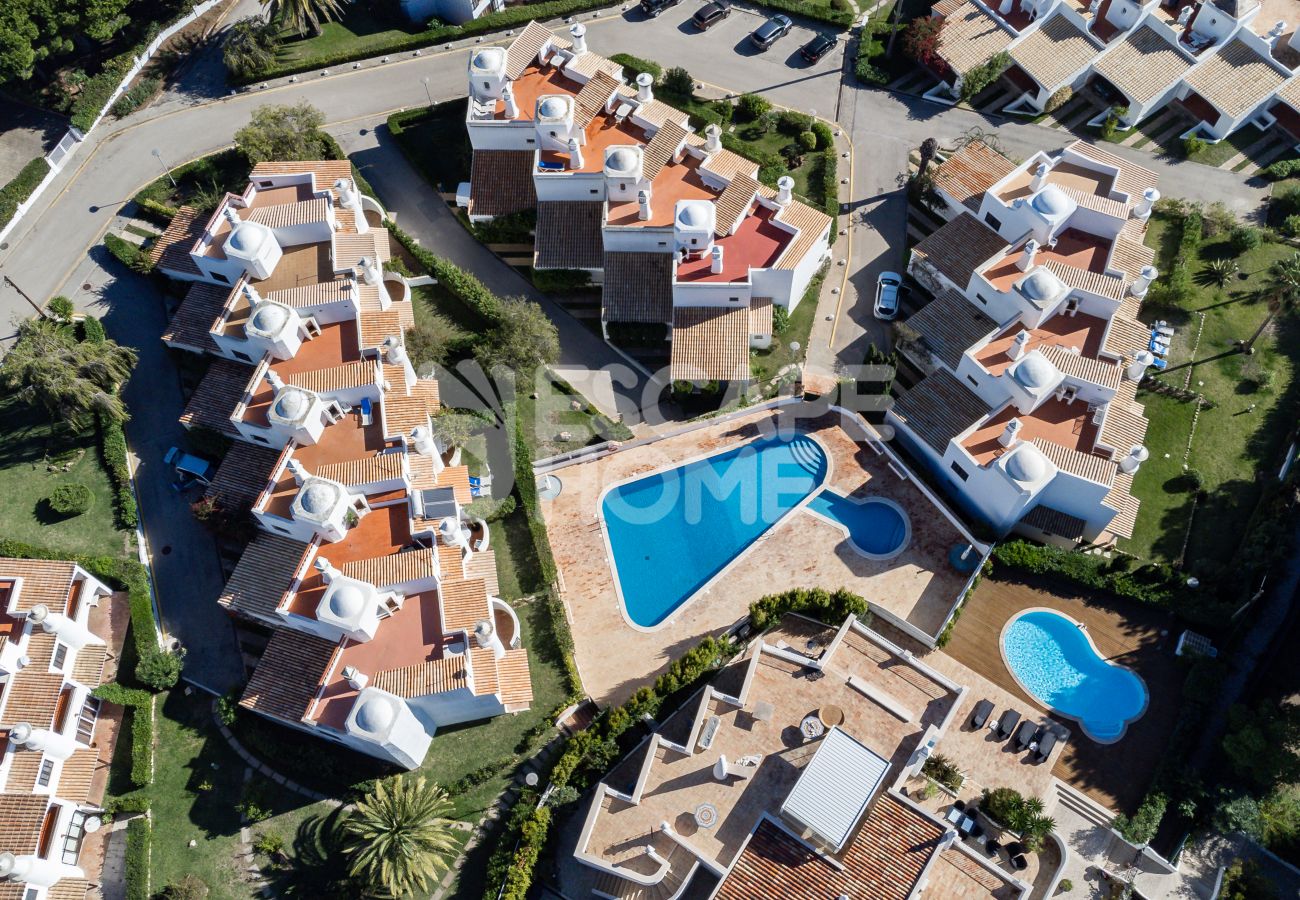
(802, 550)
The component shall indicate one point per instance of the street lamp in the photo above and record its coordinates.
(158, 155)
(425, 80)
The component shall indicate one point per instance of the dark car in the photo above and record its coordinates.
(771, 31)
(817, 48)
(653, 8)
(711, 14)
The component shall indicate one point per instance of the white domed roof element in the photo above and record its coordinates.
(552, 108)
(376, 714)
(1027, 465)
(1051, 201)
(347, 601)
(693, 215)
(489, 58)
(318, 498)
(292, 404)
(268, 318)
(1034, 372)
(1041, 285)
(621, 160)
(248, 238)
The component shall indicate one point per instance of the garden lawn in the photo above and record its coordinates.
(358, 29)
(437, 144)
(28, 443)
(1217, 154)
(1241, 439)
(764, 364)
(550, 414)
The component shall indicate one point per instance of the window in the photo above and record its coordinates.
(72, 840)
(981, 299)
(663, 243)
(595, 190)
(264, 184)
(244, 356)
(487, 85)
(961, 473)
(973, 380)
(622, 186)
(281, 529)
(47, 772)
(260, 439)
(530, 141)
(992, 220)
(60, 656)
(219, 277)
(734, 299)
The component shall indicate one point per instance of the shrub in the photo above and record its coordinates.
(816, 603)
(1243, 238)
(159, 669)
(678, 82)
(944, 771)
(134, 802)
(793, 123)
(1291, 226)
(190, 887)
(96, 90)
(136, 96)
(1150, 584)
(228, 708)
(159, 213)
(21, 187)
(1194, 146)
(1142, 826)
(60, 307)
(983, 75)
(1246, 880)
(1064, 886)
(636, 65)
(921, 40)
(752, 107)
(92, 330)
(561, 281)
(128, 254)
(1021, 814)
(269, 843)
(137, 858)
(1216, 219)
(808, 141)
(71, 499)
(780, 319)
(1283, 168)
(1057, 100)
(825, 137)
(112, 447)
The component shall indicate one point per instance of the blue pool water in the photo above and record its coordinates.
(672, 531)
(875, 528)
(1055, 661)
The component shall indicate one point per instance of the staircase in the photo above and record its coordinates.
(1067, 798)
(681, 865)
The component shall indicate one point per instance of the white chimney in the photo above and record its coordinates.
(453, 534)
(351, 200)
(712, 139)
(1275, 35)
(298, 471)
(273, 379)
(394, 352)
(721, 770)
(1010, 435)
(355, 678)
(326, 569)
(68, 631)
(370, 271)
(43, 740)
(1138, 367)
(15, 868)
(575, 153)
(1185, 15)
(784, 191)
(251, 294)
(1020, 346)
(1139, 286)
(579, 34)
(645, 83)
(715, 259)
(1026, 260)
(232, 217)
(422, 439)
(485, 635)
(38, 613)
(1006, 7)
(1149, 197)
(1136, 457)
(643, 205)
(1040, 177)
(512, 108)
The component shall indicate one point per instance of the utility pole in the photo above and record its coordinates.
(40, 312)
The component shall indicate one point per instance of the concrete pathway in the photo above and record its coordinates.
(112, 877)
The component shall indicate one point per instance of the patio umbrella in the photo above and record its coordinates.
(720, 769)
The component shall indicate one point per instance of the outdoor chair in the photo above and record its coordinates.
(980, 715)
(1019, 863)
(1025, 735)
(1007, 724)
(1045, 745)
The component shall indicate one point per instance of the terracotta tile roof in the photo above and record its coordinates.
(327, 171)
(589, 64)
(1125, 336)
(760, 316)
(1143, 65)
(1132, 178)
(483, 665)
(392, 570)
(1100, 283)
(883, 861)
(376, 327)
(317, 294)
(350, 249)
(812, 224)
(501, 182)
(1290, 92)
(263, 575)
(1053, 521)
(569, 234)
(88, 667)
(664, 146)
(242, 475)
(958, 248)
(40, 649)
(452, 563)
(949, 325)
(434, 676)
(638, 287)
(972, 170)
(710, 343)
(21, 818)
(1236, 79)
(171, 252)
(970, 36)
(191, 326)
(1083, 465)
(728, 165)
(482, 564)
(403, 413)
(658, 113)
(31, 696)
(1126, 506)
(1130, 256)
(421, 468)
(69, 889)
(463, 603)
(427, 390)
(287, 677)
(78, 774)
(1124, 427)
(336, 378)
(216, 397)
(523, 50)
(457, 478)
(938, 408)
(24, 769)
(286, 215)
(1054, 51)
(514, 680)
(1083, 368)
(44, 581)
(368, 470)
(733, 203)
(593, 96)
(1089, 200)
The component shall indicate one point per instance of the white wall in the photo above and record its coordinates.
(711, 293)
(635, 239)
(497, 134)
(453, 707)
(808, 266)
(569, 185)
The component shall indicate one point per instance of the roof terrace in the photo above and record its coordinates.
(676, 181)
(756, 244)
(381, 532)
(535, 82)
(1073, 248)
(1066, 424)
(1065, 175)
(1080, 331)
(603, 132)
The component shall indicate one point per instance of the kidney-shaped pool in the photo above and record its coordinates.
(1052, 658)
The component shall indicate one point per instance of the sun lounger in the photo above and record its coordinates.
(1025, 735)
(980, 715)
(1045, 745)
(1159, 364)
(1162, 329)
(1007, 723)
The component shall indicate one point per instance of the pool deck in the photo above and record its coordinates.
(918, 586)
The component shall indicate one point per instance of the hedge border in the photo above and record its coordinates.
(112, 447)
(20, 187)
(139, 836)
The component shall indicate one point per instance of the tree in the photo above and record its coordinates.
(250, 47)
(1260, 743)
(1243, 880)
(522, 340)
(302, 15)
(929, 147)
(283, 133)
(922, 40)
(72, 381)
(18, 36)
(160, 669)
(401, 835)
(1283, 291)
(678, 82)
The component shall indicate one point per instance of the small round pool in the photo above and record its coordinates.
(1052, 657)
(877, 526)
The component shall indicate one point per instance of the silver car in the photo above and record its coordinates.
(887, 286)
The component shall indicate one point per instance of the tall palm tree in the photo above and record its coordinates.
(402, 838)
(1283, 291)
(929, 147)
(303, 15)
(73, 380)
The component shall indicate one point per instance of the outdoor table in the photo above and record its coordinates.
(811, 727)
(831, 715)
(763, 711)
(706, 815)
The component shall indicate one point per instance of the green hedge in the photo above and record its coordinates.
(125, 252)
(532, 838)
(1152, 584)
(21, 187)
(134, 802)
(142, 727)
(92, 331)
(96, 90)
(158, 213)
(1143, 825)
(112, 445)
(869, 47)
(636, 65)
(138, 837)
(816, 603)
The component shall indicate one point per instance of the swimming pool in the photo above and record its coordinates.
(672, 532)
(1052, 658)
(877, 528)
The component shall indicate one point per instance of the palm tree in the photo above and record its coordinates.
(303, 15)
(929, 147)
(402, 838)
(72, 380)
(1283, 292)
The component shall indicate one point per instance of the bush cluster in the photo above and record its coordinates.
(142, 727)
(96, 90)
(532, 838)
(1283, 168)
(1141, 827)
(816, 603)
(136, 96)
(71, 499)
(128, 254)
(92, 330)
(158, 213)
(1177, 288)
(112, 446)
(1154, 584)
(138, 837)
(635, 65)
(20, 188)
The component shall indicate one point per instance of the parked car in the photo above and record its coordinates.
(711, 14)
(887, 286)
(771, 31)
(653, 8)
(818, 47)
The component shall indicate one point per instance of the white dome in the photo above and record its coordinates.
(621, 160)
(489, 58)
(318, 498)
(292, 404)
(248, 237)
(552, 108)
(1051, 201)
(1041, 285)
(347, 601)
(376, 714)
(693, 215)
(1034, 372)
(268, 318)
(1027, 464)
